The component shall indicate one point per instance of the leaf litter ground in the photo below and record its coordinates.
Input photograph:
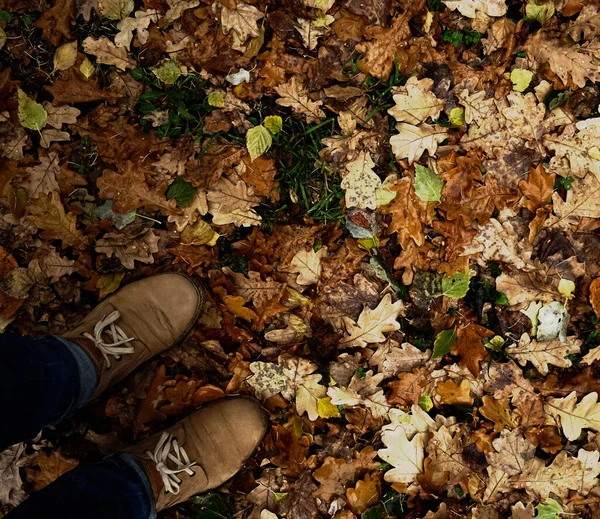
(394, 206)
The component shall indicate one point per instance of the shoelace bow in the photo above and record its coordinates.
(118, 335)
(179, 458)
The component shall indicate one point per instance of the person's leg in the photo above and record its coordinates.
(115, 488)
(41, 381)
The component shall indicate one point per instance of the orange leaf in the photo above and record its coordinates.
(538, 188)
(469, 346)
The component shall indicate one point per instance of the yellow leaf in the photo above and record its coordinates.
(65, 56)
(326, 409)
(521, 78)
(216, 99)
(273, 123)
(235, 304)
(87, 68)
(566, 288)
(199, 233)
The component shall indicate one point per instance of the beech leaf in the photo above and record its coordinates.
(428, 185)
(258, 141)
(31, 114)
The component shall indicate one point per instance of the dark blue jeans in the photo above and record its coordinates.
(42, 381)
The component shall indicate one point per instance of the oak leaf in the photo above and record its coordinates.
(582, 199)
(361, 183)
(392, 358)
(512, 452)
(52, 466)
(573, 417)
(129, 249)
(115, 9)
(130, 191)
(139, 23)
(56, 22)
(294, 95)
(253, 288)
(48, 213)
(385, 46)
(405, 440)
(544, 353)
(579, 144)
(11, 491)
(469, 346)
(335, 475)
(362, 391)
(445, 450)
(242, 19)
(416, 102)
(307, 264)
(231, 202)
(78, 90)
(372, 324)
(108, 53)
(574, 63)
(538, 188)
(470, 8)
(563, 474)
(365, 495)
(260, 174)
(499, 412)
(412, 141)
(42, 178)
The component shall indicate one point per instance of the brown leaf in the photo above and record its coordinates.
(480, 203)
(129, 248)
(469, 346)
(79, 90)
(405, 213)
(409, 387)
(260, 174)
(538, 188)
(386, 45)
(290, 451)
(336, 475)
(56, 21)
(595, 295)
(130, 191)
(48, 213)
(498, 411)
(52, 466)
(218, 159)
(365, 495)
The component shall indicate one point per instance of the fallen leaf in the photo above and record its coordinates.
(294, 96)
(573, 417)
(52, 466)
(108, 53)
(372, 324)
(412, 141)
(48, 213)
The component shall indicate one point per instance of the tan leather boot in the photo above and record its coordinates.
(203, 450)
(137, 323)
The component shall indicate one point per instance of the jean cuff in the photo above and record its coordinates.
(88, 376)
(131, 460)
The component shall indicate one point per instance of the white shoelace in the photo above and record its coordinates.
(118, 335)
(179, 458)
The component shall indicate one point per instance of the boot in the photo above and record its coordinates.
(202, 451)
(137, 323)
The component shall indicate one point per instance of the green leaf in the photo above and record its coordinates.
(211, 506)
(273, 123)
(428, 185)
(551, 509)
(168, 71)
(456, 286)
(443, 343)
(216, 99)
(521, 78)
(426, 403)
(5, 17)
(258, 141)
(541, 13)
(31, 114)
(183, 192)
